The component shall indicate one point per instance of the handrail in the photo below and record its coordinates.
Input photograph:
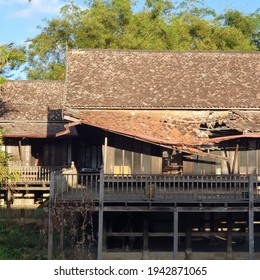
(161, 187)
(34, 173)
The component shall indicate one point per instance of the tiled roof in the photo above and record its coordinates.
(31, 100)
(164, 127)
(162, 79)
(31, 108)
(169, 127)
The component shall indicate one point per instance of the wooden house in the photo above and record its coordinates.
(150, 112)
(167, 145)
(176, 137)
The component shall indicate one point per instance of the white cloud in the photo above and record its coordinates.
(22, 8)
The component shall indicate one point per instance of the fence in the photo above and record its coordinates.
(34, 174)
(167, 188)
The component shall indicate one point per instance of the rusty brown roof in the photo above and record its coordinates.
(162, 79)
(164, 127)
(179, 128)
(31, 108)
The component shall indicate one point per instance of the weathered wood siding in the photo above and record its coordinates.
(130, 156)
(245, 161)
(37, 152)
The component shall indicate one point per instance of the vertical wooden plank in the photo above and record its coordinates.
(212, 225)
(105, 155)
(175, 233)
(27, 154)
(188, 167)
(145, 237)
(156, 165)
(20, 151)
(251, 216)
(233, 171)
(188, 240)
(100, 215)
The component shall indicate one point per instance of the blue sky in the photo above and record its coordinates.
(19, 19)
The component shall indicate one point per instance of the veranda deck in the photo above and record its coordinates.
(156, 188)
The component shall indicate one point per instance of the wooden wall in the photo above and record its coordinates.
(243, 155)
(130, 156)
(37, 152)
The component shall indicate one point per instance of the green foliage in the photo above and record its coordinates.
(11, 58)
(5, 174)
(246, 24)
(21, 243)
(159, 25)
(3, 163)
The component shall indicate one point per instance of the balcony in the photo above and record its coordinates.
(156, 188)
(33, 175)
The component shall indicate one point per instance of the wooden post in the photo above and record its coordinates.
(50, 224)
(188, 240)
(229, 236)
(105, 154)
(212, 225)
(145, 237)
(251, 216)
(20, 151)
(100, 215)
(175, 233)
(235, 159)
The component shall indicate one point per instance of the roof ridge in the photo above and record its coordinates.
(161, 51)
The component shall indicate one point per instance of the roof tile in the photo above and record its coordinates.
(162, 79)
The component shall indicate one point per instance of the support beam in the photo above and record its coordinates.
(235, 159)
(188, 249)
(145, 236)
(105, 154)
(100, 215)
(175, 233)
(251, 217)
(20, 151)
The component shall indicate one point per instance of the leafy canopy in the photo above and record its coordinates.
(11, 58)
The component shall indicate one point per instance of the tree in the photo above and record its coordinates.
(11, 58)
(158, 25)
(247, 25)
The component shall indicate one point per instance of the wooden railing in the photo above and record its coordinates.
(33, 174)
(161, 188)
